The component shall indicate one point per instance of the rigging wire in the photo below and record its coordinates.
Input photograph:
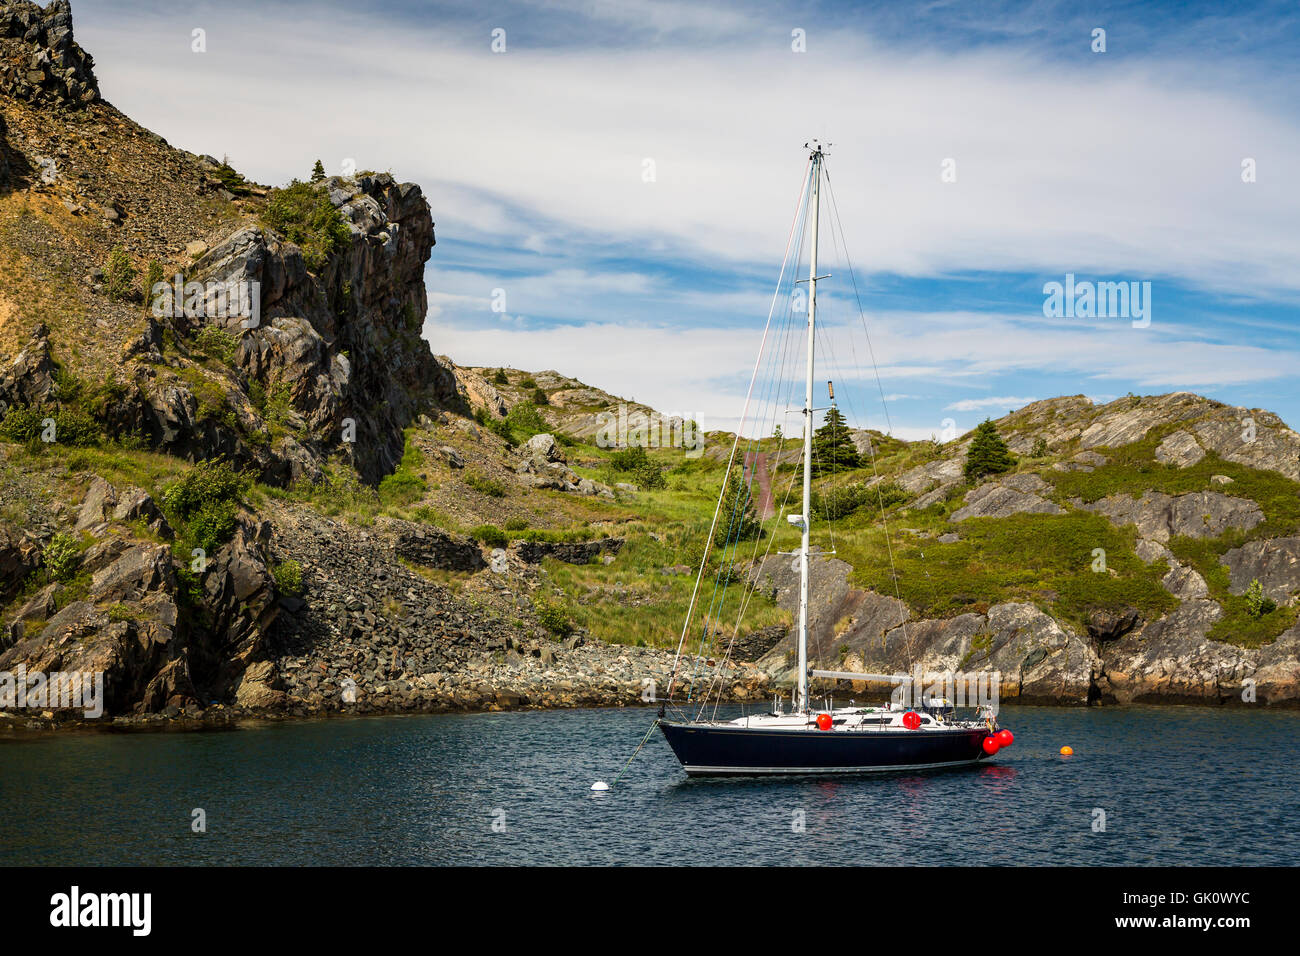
(889, 546)
(708, 542)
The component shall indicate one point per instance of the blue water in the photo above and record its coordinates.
(1190, 786)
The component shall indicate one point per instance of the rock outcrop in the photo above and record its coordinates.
(576, 552)
(1274, 562)
(1117, 658)
(42, 62)
(1017, 494)
(1158, 516)
(129, 625)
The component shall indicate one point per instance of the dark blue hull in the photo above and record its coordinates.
(718, 750)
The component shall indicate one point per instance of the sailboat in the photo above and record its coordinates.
(917, 734)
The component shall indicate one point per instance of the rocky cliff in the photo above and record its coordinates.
(1202, 500)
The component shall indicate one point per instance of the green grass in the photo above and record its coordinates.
(632, 602)
(1041, 559)
(303, 214)
(405, 486)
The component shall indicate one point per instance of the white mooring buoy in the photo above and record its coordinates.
(600, 785)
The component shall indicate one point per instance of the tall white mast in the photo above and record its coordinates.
(801, 704)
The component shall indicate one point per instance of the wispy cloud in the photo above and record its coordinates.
(626, 174)
(975, 404)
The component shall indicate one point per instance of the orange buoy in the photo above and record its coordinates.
(990, 745)
(824, 721)
(1067, 751)
(1005, 738)
(911, 720)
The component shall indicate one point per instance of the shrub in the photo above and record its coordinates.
(27, 426)
(277, 404)
(500, 378)
(628, 459)
(1257, 604)
(490, 535)
(402, 487)
(501, 428)
(217, 344)
(67, 387)
(635, 462)
(62, 557)
(525, 421)
(303, 214)
(207, 482)
(288, 577)
(553, 617)
(841, 502)
(528, 382)
(119, 275)
(203, 503)
(231, 181)
(210, 527)
(486, 486)
(516, 524)
(540, 397)
(1040, 448)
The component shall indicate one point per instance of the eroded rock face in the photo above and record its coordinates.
(1274, 561)
(543, 447)
(1179, 449)
(18, 559)
(129, 627)
(44, 64)
(1171, 660)
(29, 378)
(1119, 659)
(922, 478)
(1017, 494)
(100, 498)
(342, 345)
(1252, 437)
(135, 504)
(1157, 516)
(240, 597)
(1124, 422)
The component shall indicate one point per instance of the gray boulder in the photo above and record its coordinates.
(543, 447)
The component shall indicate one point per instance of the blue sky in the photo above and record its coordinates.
(1123, 165)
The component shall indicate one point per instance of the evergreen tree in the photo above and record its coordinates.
(833, 448)
(500, 378)
(988, 453)
(737, 520)
(317, 172)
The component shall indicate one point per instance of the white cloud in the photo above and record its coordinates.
(975, 404)
(1130, 170)
(707, 368)
(533, 159)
